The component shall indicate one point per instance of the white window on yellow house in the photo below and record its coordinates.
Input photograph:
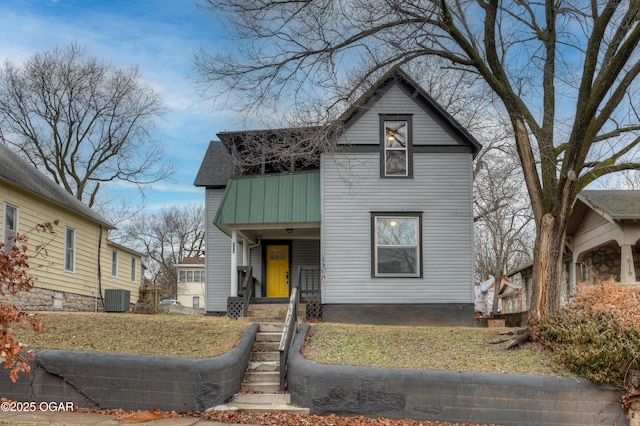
(70, 249)
(190, 276)
(133, 270)
(114, 263)
(10, 228)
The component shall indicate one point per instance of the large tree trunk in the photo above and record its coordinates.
(546, 296)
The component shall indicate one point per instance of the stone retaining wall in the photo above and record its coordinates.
(40, 299)
(132, 382)
(504, 399)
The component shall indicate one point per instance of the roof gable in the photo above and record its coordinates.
(18, 172)
(397, 77)
(218, 166)
(612, 205)
(619, 204)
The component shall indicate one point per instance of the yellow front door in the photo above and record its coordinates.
(277, 271)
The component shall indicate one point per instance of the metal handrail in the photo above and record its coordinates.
(245, 274)
(290, 327)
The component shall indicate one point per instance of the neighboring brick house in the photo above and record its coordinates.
(80, 259)
(191, 279)
(385, 218)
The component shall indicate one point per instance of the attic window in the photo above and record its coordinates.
(395, 151)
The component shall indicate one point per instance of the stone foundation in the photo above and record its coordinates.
(604, 263)
(40, 299)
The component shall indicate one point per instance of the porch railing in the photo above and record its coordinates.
(247, 284)
(290, 328)
(308, 278)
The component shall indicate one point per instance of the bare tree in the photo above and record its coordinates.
(166, 238)
(565, 71)
(82, 121)
(504, 219)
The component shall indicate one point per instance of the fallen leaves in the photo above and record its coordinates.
(270, 419)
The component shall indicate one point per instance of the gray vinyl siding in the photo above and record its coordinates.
(218, 257)
(256, 263)
(440, 189)
(425, 130)
(305, 252)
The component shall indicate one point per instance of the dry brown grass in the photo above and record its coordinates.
(437, 348)
(161, 334)
(424, 348)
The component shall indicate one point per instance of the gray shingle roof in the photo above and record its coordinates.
(18, 172)
(216, 168)
(619, 204)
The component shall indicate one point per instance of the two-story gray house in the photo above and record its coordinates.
(384, 218)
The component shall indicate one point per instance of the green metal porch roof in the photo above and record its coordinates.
(291, 198)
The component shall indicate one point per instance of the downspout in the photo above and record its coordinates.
(246, 249)
(234, 264)
(99, 269)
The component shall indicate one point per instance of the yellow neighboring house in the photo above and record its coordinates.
(79, 260)
(191, 280)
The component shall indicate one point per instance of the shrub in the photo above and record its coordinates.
(15, 277)
(597, 336)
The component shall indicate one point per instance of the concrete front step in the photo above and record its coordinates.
(265, 356)
(269, 336)
(266, 346)
(263, 371)
(263, 366)
(263, 403)
(260, 388)
(251, 377)
(271, 327)
(271, 312)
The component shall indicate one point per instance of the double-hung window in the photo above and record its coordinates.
(134, 276)
(396, 244)
(10, 228)
(70, 249)
(114, 264)
(396, 146)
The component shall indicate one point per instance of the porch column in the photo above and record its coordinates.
(234, 263)
(627, 270)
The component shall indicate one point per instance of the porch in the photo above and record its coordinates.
(273, 222)
(306, 278)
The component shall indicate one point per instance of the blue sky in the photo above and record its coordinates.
(161, 37)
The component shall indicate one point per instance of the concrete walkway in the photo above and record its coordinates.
(75, 418)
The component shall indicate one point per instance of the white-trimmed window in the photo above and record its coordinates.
(134, 276)
(69, 249)
(396, 244)
(10, 227)
(190, 276)
(196, 302)
(395, 146)
(114, 263)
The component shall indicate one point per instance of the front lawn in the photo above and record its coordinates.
(436, 348)
(193, 336)
(425, 348)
